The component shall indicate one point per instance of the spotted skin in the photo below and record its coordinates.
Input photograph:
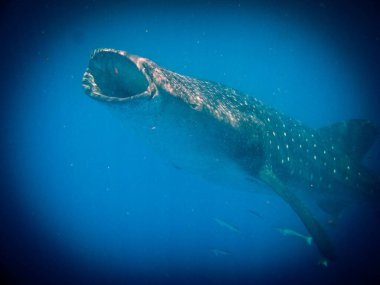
(295, 152)
(302, 154)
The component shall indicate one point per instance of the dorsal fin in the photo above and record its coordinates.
(353, 137)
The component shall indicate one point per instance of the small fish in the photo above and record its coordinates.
(176, 166)
(226, 225)
(331, 221)
(324, 262)
(257, 214)
(219, 252)
(289, 232)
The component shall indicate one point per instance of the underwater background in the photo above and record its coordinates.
(84, 201)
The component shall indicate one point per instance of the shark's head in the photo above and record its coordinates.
(116, 76)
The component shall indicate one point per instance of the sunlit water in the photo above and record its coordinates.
(93, 202)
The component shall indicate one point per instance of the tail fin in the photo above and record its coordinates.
(353, 137)
(320, 238)
(309, 240)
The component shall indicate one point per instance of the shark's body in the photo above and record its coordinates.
(222, 133)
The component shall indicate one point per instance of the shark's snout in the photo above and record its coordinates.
(114, 76)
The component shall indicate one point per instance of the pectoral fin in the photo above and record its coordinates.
(315, 229)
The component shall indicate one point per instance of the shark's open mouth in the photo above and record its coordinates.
(113, 76)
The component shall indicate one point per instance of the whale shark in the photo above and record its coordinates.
(226, 135)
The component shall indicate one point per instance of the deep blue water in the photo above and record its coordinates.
(85, 201)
